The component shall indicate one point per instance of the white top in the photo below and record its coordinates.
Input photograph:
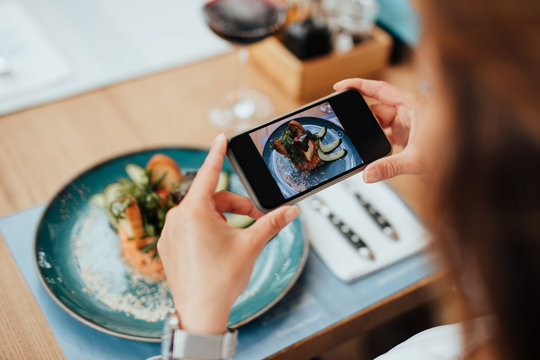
(440, 343)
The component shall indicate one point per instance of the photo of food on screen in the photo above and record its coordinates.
(306, 149)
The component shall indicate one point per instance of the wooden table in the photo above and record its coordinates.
(42, 148)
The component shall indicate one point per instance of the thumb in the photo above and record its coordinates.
(267, 226)
(385, 168)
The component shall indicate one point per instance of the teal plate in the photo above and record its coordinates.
(78, 258)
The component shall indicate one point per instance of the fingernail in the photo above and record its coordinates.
(218, 138)
(337, 84)
(372, 175)
(291, 213)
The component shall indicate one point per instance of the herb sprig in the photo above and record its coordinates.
(153, 206)
(287, 139)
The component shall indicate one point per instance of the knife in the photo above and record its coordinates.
(379, 219)
(352, 237)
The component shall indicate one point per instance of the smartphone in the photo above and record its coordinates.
(307, 150)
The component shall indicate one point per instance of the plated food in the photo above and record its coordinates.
(304, 149)
(287, 160)
(137, 205)
(79, 262)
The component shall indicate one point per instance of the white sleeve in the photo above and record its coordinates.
(439, 343)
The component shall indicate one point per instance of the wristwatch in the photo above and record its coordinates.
(179, 344)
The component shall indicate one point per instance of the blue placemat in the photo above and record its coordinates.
(317, 301)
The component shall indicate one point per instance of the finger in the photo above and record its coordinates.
(385, 113)
(379, 90)
(270, 224)
(233, 203)
(388, 167)
(207, 177)
(390, 135)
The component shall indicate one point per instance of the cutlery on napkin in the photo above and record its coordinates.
(353, 238)
(343, 259)
(379, 219)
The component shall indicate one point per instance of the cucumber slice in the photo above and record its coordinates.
(333, 156)
(321, 133)
(112, 192)
(223, 183)
(240, 221)
(328, 148)
(235, 185)
(137, 174)
(112, 219)
(98, 200)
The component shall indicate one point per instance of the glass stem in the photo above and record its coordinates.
(243, 57)
(244, 107)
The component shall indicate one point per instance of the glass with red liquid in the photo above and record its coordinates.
(243, 22)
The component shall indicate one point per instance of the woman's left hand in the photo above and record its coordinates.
(208, 263)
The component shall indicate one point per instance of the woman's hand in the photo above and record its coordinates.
(208, 263)
(397, 112)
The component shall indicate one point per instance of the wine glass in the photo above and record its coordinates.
(243, 22)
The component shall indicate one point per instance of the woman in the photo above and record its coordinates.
(477, 139)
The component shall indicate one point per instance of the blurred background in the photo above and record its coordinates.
(286, 53)
(53, 49)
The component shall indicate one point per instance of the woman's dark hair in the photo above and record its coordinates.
(488, 206)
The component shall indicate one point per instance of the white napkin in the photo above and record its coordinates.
(341, 257)
(33, 60)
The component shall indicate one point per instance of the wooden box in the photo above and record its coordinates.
(313, 78)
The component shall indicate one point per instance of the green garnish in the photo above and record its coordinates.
(153, 207)
(287, 139)
(156, 183)
(150, 230)
(118, 207)
(152, 246)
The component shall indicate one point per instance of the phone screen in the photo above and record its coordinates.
(284, 160)
(306, 149)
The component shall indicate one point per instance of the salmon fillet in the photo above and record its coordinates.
(132, 237)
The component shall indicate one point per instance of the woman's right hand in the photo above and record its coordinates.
(208, 262)
(397, 112)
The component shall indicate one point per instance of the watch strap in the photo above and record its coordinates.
(204, 347)
(179, 344)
